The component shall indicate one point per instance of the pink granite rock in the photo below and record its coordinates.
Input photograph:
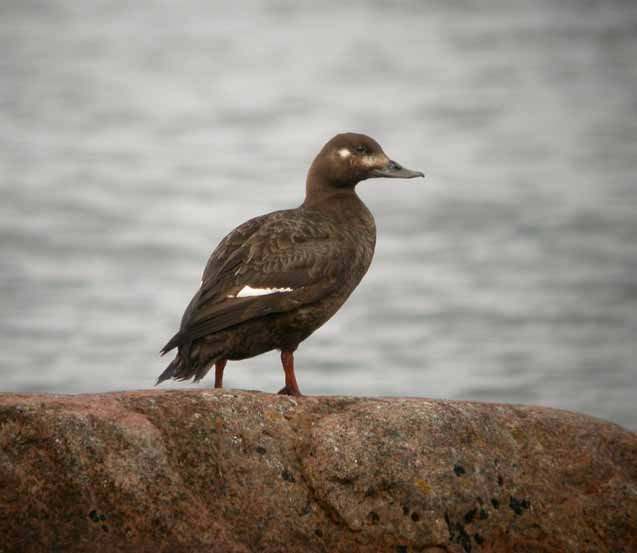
(232, 471)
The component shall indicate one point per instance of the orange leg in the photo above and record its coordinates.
(291, 387)
(219, 366)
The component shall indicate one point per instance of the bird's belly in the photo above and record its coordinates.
(297, 325)
(284, 331)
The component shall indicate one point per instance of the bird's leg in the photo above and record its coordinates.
(291, 387)
(219, 366)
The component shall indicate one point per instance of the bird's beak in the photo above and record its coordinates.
(393, 170)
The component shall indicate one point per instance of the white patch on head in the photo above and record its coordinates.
(373, 161)
(344, 153)
(248, 291)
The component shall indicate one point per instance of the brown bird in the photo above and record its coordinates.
(276, 278)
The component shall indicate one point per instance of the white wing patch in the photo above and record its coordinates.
(248, 291)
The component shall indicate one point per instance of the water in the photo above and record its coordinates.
(133, 136)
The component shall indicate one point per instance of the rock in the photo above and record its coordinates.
(232, 471)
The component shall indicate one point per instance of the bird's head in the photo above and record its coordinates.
(349, 158)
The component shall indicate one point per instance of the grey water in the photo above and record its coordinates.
(135, 135)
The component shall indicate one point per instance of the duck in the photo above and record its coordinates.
(277, 278)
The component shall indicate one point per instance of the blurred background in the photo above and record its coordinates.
(135, 135)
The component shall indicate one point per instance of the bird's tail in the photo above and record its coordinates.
(170, 370)
(192, 361)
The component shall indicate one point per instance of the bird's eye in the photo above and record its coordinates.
(361, 149)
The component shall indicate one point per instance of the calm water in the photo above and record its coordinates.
(134, 135)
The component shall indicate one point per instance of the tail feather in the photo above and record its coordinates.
(169, 371)
(192, 362)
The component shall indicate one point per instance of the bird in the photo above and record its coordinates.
(275, 279)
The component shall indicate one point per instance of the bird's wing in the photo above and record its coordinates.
(288, 258)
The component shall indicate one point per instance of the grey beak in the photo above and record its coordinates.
(395, 170)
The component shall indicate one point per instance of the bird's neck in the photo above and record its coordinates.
(335, 201)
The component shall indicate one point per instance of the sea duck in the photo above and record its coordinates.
(276, 278)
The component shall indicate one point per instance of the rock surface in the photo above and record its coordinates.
(232, 471)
